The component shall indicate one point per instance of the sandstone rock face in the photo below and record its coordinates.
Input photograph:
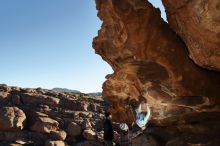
(198, 24)
(150, 60)
(11, 119)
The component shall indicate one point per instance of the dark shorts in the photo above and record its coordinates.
(135, 128)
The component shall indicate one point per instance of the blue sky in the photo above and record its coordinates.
(48, 43)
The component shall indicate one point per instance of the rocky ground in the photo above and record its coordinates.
(45, 117)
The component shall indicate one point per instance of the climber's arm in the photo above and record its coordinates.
(147, 117)
(138, 110)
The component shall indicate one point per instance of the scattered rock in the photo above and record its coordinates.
(93, 107)
(54, 143)
(4, 88)
(100, 136)
(43, 124)
(73, 104)
(83, 106)
(89, 135)
(58, 135)
(4, 98)
(35, 99)
(43, 120)
(84, 114)
(74, 129)
(89, 143)
(86, 124)
(11, 119)
(16, 100)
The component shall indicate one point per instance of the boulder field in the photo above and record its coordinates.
(44, 117)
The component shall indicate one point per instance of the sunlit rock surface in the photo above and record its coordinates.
(198, 24)
(44, 117)
(150, 59)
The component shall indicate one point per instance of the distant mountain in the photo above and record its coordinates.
(95, 94)
(65, 90)
(76, 91)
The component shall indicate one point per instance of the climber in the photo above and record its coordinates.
(142, 117)
(143, 114)
(108, 130)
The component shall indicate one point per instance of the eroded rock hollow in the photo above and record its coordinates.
(174, 65)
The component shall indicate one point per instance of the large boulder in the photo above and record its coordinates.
(74, 129)
(89, 134)
(58, 135)
(36, 99)
(4, 88)
(4, 98)
(43, 123)
(86, 124)
(15, 100)
(54, 143)
(84, 114)
(100, 136)
(11, 119)
(74, 104)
